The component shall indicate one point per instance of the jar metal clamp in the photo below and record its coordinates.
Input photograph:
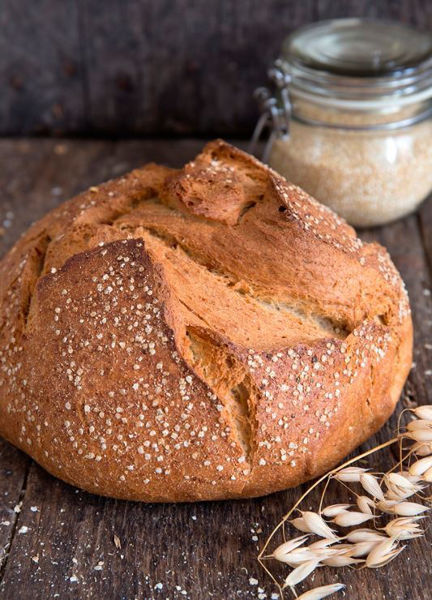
(275, 107)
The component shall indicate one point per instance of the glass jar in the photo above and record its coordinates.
(351, 117)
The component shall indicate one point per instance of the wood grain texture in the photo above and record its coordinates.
(14, 468)
(409, 256)
(140, 67)
(425, 224)
(194, 551)
(40, 67)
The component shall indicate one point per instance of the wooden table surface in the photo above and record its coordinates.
(59, 542)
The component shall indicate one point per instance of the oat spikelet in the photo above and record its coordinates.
(371, 485)
(364, 535)
(420, 435)
(387, 506)
(363, 548)
(341, 561)
(298, 556)
(324, 543)
(428, 476)
(300, 573)
(404, 528)
(400, 487)
(419, 424)
(409, 509)
(400, 480)
(421, 466)
(300, 524)
(319, 593)
(350, 474)
(351, 519)
(422, 449)
(335, 509)
(301, 555)
(317, 525)
(383, 553)
(287, 547)
(365, 504)
(423, 412)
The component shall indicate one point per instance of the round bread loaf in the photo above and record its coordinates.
(197, 334)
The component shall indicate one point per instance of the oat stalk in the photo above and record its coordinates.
(391, 495)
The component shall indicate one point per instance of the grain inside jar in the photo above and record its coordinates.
(352, 117)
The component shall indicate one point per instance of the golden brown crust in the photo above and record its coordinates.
(198, 334)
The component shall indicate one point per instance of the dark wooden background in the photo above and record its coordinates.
(123, 68)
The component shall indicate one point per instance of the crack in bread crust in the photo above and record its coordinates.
(291, 307)
(230, 382)
(323, 325)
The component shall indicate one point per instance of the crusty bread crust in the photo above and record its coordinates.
(199, 334)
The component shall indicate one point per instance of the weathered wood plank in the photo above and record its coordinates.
(19, 169)
(418, 12)
(145, 67)
(408, 253)
(14, 469)
(40, 68)
(207, 550)
(425, 224)
(183, 66)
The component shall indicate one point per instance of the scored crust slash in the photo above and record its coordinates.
(204, 333)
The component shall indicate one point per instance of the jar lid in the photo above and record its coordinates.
(359, 62)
